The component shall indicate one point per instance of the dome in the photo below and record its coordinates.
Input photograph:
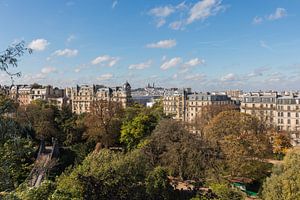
(126, 86)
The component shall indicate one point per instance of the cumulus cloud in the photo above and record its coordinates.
(142, 65)
(161, 13)
(195, 77)
(257, 20)
(71, 38)
(278, 14)
(48, 70)
(229, 77)
(263, 44)
(171, 63)
(163, 44)
(164, 11)
(177, 25)
(66, 52)
(204, 9)
(105, 60)
(105, 77)
(194, 62)
(38, 44)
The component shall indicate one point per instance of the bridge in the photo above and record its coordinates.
(44, 162)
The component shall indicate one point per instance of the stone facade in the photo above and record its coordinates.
(83, 96)
(277, 110)
(186, 106)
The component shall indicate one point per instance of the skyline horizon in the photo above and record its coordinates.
(207, 45)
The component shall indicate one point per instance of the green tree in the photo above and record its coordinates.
(157, 184)
(41, 117)
(225, 192)
(243, 141)
(134, 131)
(284, 182)
(106, 175)
(186, 155)
(15, 162)
(10, 58)
(104, 123)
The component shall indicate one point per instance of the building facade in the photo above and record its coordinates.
(26, 94)
(277, 110)
(83, 96)
(186, 106)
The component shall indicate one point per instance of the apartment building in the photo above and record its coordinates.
(83, 96)
(186, 106)
(262, 105)
(25, 94)
(277, 110)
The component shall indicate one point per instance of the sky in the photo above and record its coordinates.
(207, 45)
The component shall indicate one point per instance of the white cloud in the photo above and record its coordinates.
(263, 44)
(114, 4)
(176, 25)
(38, 44)
(105, 60)
(278, 14)
(71, 38)
(163, 44)
(48, 70)
(162, 11)
(105, 77)
(204, 9)
(160, 22)
(194, 62)
(195, 77)
(171, 63)
(229, 77)
(142, 65)
(257, 20)
(66, 52)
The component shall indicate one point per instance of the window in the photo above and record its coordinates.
(297, 121)
(297, 114)
(289, 114)
(289, 121)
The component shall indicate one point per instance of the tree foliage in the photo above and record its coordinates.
(284, 182)
(10, 58)
(243, 141)
(134, 131)
(104, 122)
(184, 154)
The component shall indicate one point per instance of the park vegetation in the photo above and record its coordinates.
(139, 153)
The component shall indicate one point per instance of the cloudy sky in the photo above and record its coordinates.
(203, 44)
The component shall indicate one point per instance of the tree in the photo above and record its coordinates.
(186, 155)
(134, 131)
(157, 184)
(281, 143)
(15, 162)
(284, 182)
(10, 58)
(41, 117)
(243, 141)
(207, 113)
(224, 192)
(104, 123)
(107, 175)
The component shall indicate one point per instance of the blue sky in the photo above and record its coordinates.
(203, 44)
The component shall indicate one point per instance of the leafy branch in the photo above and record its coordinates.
(10, 58)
